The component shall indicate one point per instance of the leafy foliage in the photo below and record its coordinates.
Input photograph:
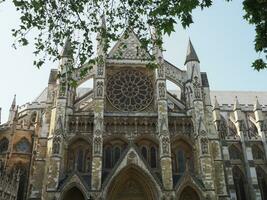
(256, 14)
(80, 20)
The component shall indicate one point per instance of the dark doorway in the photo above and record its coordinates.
(189, 194)
(74, 194)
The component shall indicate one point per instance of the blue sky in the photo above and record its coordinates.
(222, 40)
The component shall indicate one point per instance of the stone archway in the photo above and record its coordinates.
(131, 184)
(189, 193)
(73, 193)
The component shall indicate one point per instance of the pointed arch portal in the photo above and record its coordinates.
(131, 184)
(74, 193)
(189, 193)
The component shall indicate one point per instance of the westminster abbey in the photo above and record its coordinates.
(129, 137)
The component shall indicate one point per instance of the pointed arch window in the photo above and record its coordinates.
(153, 157)
(79, 156)
(144, 152)
(112, 153)
(80, 160)
(108, 157)
(116, 154)
(181, 161)
(239, 182)
(235, 153)
(23, 146)
(262, 182)
(149, 152)
(22, 182)
(3, 145)
(257, 153)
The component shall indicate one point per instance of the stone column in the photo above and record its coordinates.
(163, 128)
(246, 150)
(99, 91)
(220, 152)
(261, 126)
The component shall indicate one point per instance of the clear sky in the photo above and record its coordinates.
(222, 40)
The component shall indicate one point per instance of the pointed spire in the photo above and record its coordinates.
(237, 105)
(216, 104)
(100, 40)
(191, 53)
(67, 50)
(257, 105)
(13, 105)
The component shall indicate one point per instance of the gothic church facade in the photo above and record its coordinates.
(129, 138)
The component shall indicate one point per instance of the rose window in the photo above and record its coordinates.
(129, 90)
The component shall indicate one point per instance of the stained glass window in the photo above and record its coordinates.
(23, 146)
(129, 90)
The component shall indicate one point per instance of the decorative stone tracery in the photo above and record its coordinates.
(129, 90)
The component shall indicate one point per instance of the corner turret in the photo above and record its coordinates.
(191, 54)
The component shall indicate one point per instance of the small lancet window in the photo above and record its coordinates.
(144, 152)
(3, 145)
(116, 154)
(108, 160)
(153, 157)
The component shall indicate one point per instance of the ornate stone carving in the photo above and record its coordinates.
(165, 145)
(160, 71)
(97, 145)
(99, 88)
(129, 90)
(56, 145)
(197, 88)
(204, 145)
(131, 157)
(163, 123)
(100, 66)
(161, 88)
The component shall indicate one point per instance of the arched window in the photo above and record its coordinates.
(22, 182)
(144, 152)
(262, 182)
(181, 161)
(3, 145)
(239, 181)
(23, 146)
(153, 157)
(112, 153)
(80, 160)
(116, 154)
(149, 151)
(182, 157)
(234, 153)
(79, 154)
(108, 158)
(257, 153)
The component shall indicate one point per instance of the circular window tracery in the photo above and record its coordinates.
(129, 90)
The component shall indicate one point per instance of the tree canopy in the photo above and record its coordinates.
(80, 20)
